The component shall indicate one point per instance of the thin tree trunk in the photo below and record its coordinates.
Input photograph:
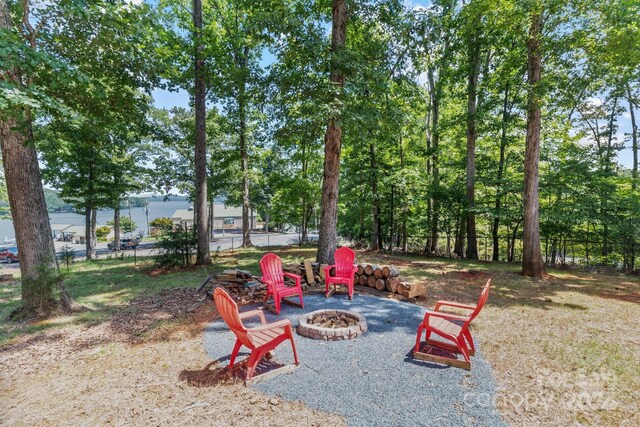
(532, 264)
(202, 257)
(242, 63)
(634, 140)
(499, 191)
(375, 202)
(90, 246)
(211, 219)
(329, 217)
(435, 139)
(472, 105)
(116, 226)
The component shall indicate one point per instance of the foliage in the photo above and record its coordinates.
(126, 224)
(102, 232)
(176, 248)
(163, 225)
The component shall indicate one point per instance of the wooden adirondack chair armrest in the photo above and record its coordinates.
(446, 316)
(269, 326)
(327, 270)
(295, 277)
(454, 305)
(259, 312)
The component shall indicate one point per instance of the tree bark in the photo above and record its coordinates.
(472, 105)
(42, 288)
(327, 240)
(30, 219)
(116, 226)
(499, 192)
(376, 239)
(634, 140)
(242, 63)
(89, 241)
(532, 264)
(200, 159)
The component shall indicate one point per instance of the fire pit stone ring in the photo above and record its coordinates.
(332, 325)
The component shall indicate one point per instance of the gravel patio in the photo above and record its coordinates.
(373, 380)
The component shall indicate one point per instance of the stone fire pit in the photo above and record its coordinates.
(332, 325)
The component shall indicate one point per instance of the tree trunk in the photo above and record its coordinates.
(202, 257)
(634, 140)
(329, 217)
(42, 287)
(376, 244)
(499, 192)
(472, 105)
(30, 219)
(116, 226)
(435, 139)
(242, 63)
(532, 264)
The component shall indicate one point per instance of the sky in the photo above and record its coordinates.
(166, 99)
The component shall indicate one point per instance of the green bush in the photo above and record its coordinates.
(162, 225)
(177, 248)
(102, 232)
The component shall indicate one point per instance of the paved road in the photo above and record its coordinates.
(229, 241)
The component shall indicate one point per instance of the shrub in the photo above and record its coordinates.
(102, 232)
(176, 248)
(163, 225)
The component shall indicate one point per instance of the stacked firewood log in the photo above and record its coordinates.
(382, 278)
(387, 278)
(241, 285)
(379, 277)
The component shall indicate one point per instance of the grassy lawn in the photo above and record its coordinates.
(565, 350)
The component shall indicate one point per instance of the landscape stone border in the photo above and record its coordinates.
(316, 332)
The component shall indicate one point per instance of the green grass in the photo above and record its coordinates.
(110, 284)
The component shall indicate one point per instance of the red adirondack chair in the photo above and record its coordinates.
(443, 325)
(260, 340)
(343, 258)
(273, 276)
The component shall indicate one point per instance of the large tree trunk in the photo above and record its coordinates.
(30, 220)
(532, 264)
(327, 240)
(472, 105)
(634, 139)
(42, 287)
(202, 257)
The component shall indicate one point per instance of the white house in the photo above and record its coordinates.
(224, 217)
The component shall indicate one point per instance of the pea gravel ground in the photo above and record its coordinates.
(373, 380)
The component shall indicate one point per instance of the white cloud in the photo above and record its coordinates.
(626, 115)
(596, 102)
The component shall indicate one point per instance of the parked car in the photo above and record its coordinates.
(9, 255)
(124, 244)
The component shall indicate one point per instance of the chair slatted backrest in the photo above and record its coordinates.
(481, 302)
(343, 258)
(228, 310)
(271, 266)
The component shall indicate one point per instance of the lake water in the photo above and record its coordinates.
(157, 209)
